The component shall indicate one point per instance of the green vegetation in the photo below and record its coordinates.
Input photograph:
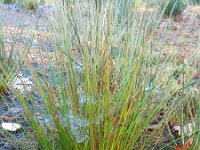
(8, 1)
(106, 86)
(7, 70)
(174, 7)
(196, 1)
(29, 4)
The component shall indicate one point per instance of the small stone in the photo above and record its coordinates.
(15, 110)
(152, 127)
(22, 83)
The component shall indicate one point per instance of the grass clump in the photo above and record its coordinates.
(7, 70)
(104, 102)
(8, 1)
(29, 4)
(196, 1)
(103, 89)
(174, 7)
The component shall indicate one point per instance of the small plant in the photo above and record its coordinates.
(173, 8)
(8, 1)
(29, 4)
(196, 1)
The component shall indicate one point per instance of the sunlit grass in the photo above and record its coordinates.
(110, 83)
(106, 86)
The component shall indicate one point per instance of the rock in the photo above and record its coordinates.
(15, 110)
(23, 82)
(187, 130)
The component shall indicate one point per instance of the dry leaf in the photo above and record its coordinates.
(11, 126)
(192, 109)
(178, 147)
(186, 145)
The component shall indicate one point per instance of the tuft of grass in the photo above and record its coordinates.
(7, 69)
(104, 102)
(196, 1)
(173, 8)
(29, 4)
(103, 89)
(8, 1)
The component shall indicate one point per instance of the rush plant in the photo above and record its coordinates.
(99, 91)
(103, 103)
